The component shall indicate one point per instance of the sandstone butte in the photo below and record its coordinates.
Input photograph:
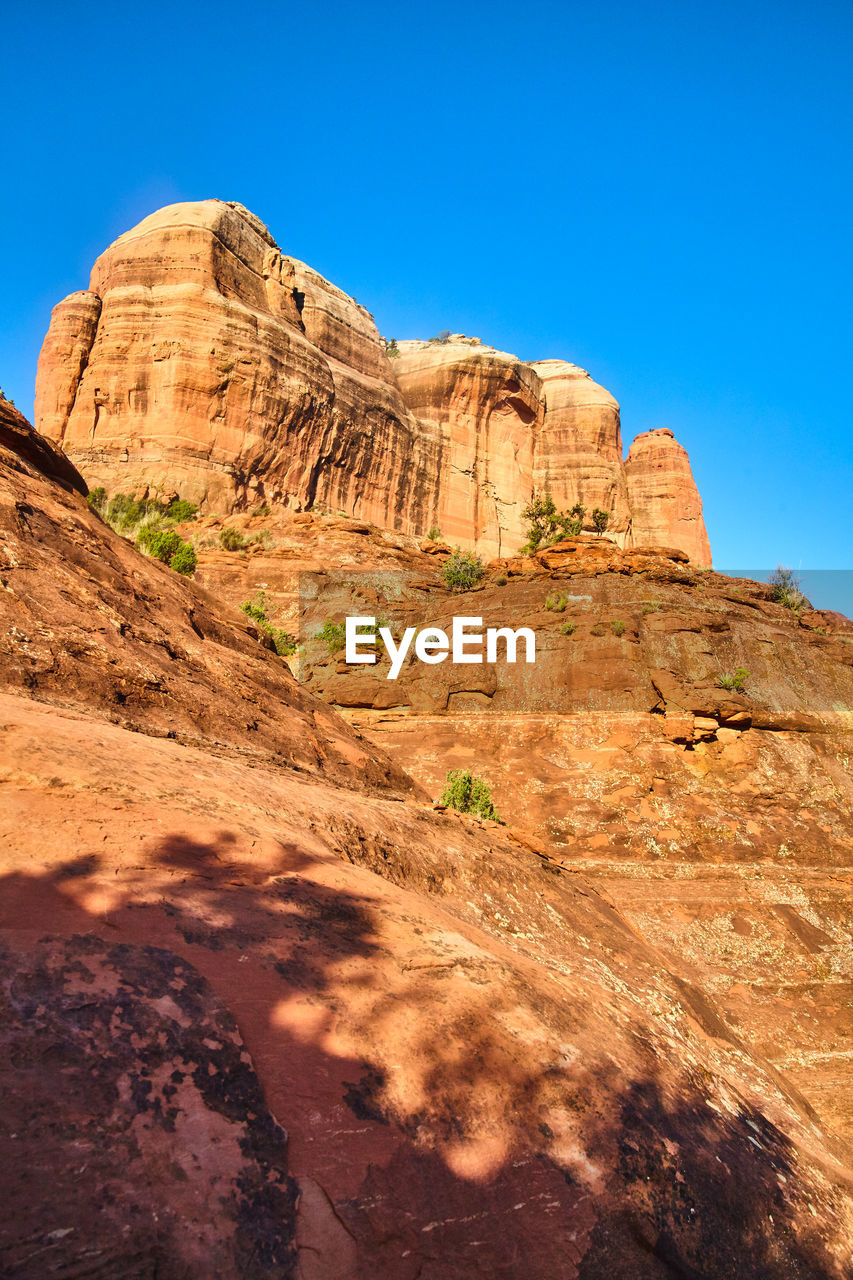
(270, 1012)
(202, 358)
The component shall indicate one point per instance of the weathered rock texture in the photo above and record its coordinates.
(480, 1066)
(719, 821)
(664, 500)
(85, 619)
(202, 359)
(122, 1054)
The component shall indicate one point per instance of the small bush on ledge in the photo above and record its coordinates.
(434, 534)
(567, 628)
(462, 571)
(786, 589)
(333, 635)
(257, 609)
(231, 539)
(546, 525)
(556, 603)
(617, 626)
(468, 794)
(162, 544)
(736, 680)
(184, 560)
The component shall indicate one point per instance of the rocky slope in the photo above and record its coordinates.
(219, 924)
(203, 359)
(718, 820)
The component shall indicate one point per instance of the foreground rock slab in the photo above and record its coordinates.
(479, 1066)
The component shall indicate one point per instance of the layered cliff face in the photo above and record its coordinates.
(579, 448)
(484, 406)
(267, 1009)
(202, 359)
(665, 504)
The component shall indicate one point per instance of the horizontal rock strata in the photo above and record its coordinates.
(202, 359)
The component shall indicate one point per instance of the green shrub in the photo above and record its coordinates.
(468, 794)
(231, 539)
(617, 626)
(180, 510)
(184, 560)
(263, 510)
(735, 681)
(567, 628)
(146, 535)
(651, 606)
(462, 570)
(333, 634)
(392, 350)
(126, 514)
(546, 525)
(502, 580)
(123, 512)
(257, 609)
(556, 603)
(786, 589)
(285, 643)
(598, 629)
(541, 515)
(600, 519)
(163, 544)
(434, 534)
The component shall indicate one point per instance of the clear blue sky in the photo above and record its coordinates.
(659, 192)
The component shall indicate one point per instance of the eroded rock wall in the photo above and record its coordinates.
(204, 360)
(665, 505)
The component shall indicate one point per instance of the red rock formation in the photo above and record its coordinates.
(479, 1065)
(709, 815)
(484, 406)
(665, 505)
(202, 359)
(579, 447)
(23, 449)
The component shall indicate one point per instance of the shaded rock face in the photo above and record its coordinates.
(203, 359)
(129, 1097)
(85, 620)
(22, 449)
(665, 503)
(481, 1067)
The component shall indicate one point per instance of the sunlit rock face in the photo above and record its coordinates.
(665, 504)
(204, 360)
(579, 449)
(485, 407)
(267, 1011)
